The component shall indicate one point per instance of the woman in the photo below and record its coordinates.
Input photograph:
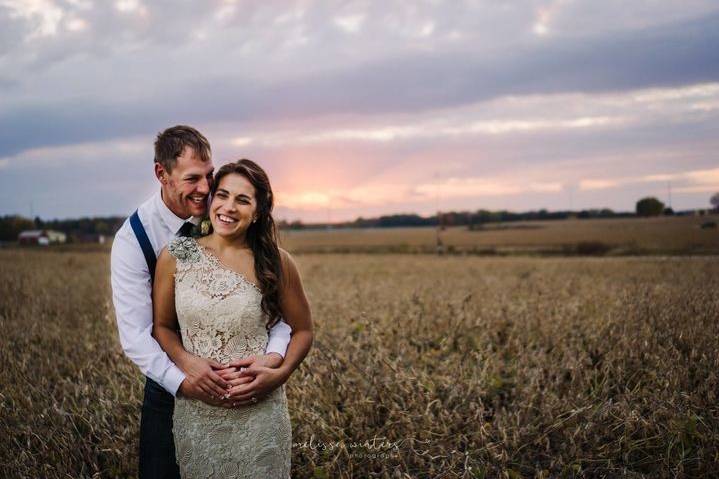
(224, 291)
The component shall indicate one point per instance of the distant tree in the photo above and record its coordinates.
(714, 200)
(649, 207)
(668, 211)
(102, 228)
(11, 226)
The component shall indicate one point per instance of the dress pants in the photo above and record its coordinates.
(157, 445)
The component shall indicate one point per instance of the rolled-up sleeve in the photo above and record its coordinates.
(279, 338)
(132, 298)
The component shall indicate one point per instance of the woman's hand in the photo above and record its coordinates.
(258, 382)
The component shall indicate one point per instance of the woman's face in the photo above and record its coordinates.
(233, 206)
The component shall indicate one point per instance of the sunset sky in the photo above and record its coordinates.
(364, 108)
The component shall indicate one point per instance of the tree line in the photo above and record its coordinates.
(75, 229)
(12, 225)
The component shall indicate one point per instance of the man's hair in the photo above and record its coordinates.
(171, 143)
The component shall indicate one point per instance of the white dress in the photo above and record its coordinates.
(220, 318)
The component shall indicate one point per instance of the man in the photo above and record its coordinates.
(183, 165)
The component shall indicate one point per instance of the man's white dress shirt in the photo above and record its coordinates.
(132, 295)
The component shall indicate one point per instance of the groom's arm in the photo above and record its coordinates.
(202, 382)
(132, 298)
(277, 342)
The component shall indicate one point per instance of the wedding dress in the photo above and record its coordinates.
(219, 314)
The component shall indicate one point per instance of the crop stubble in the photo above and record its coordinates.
(453, 366)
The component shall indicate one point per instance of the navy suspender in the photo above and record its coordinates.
(145, 244)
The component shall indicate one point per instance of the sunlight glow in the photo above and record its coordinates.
(350, 23)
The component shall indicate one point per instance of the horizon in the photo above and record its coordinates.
(708, 210)
(355, 110)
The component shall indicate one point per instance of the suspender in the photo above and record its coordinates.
(145, 244)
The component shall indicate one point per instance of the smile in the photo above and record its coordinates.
(226, 219)
(198, 200)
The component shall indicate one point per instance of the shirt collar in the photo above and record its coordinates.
(170, 219)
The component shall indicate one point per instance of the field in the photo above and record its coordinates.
(423, 366)
(620, 236)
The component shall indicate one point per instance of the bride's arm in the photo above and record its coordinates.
(201, 381)
(297, 314)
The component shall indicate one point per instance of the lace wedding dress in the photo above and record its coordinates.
(220, 318)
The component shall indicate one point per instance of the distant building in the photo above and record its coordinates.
(89, 238)
(41, 237)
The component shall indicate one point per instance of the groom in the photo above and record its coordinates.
(183, 166)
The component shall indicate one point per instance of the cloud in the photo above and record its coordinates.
(44, 15)
(544, 16)
(363, 195)
(687, 181)
(599, 184)
(407, 81)
(349, 23)
(485, 186)
(355, 108)
(79, 153)
(513, 117)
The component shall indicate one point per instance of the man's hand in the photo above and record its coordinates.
(192, 392)
(263, 381)
(202, 381)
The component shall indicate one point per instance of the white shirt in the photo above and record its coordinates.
(132, 295)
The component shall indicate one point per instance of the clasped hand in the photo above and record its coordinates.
(233, 384)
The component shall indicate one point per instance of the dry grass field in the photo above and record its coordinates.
(423, 366)
(620, 236)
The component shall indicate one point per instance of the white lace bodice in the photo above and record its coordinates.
(220, 317)
(218, 309)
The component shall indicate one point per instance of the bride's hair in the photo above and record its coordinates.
(261, 235)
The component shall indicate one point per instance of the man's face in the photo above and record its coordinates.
(186, 188)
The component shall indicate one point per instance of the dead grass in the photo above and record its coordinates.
(622, 236)
(464, 366)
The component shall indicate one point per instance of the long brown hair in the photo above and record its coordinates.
(261, 235)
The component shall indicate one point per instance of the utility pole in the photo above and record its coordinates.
(439, 245)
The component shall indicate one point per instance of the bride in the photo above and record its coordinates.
(215, 297)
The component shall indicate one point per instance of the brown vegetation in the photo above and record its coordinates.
(623, 236)
(464, 366)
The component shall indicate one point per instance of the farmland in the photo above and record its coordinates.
(616, 236)
(433, 366)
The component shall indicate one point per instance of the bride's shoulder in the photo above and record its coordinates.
(184, 249)
(289, 267)
(285, 256)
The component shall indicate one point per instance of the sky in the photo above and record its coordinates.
(364, 108)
